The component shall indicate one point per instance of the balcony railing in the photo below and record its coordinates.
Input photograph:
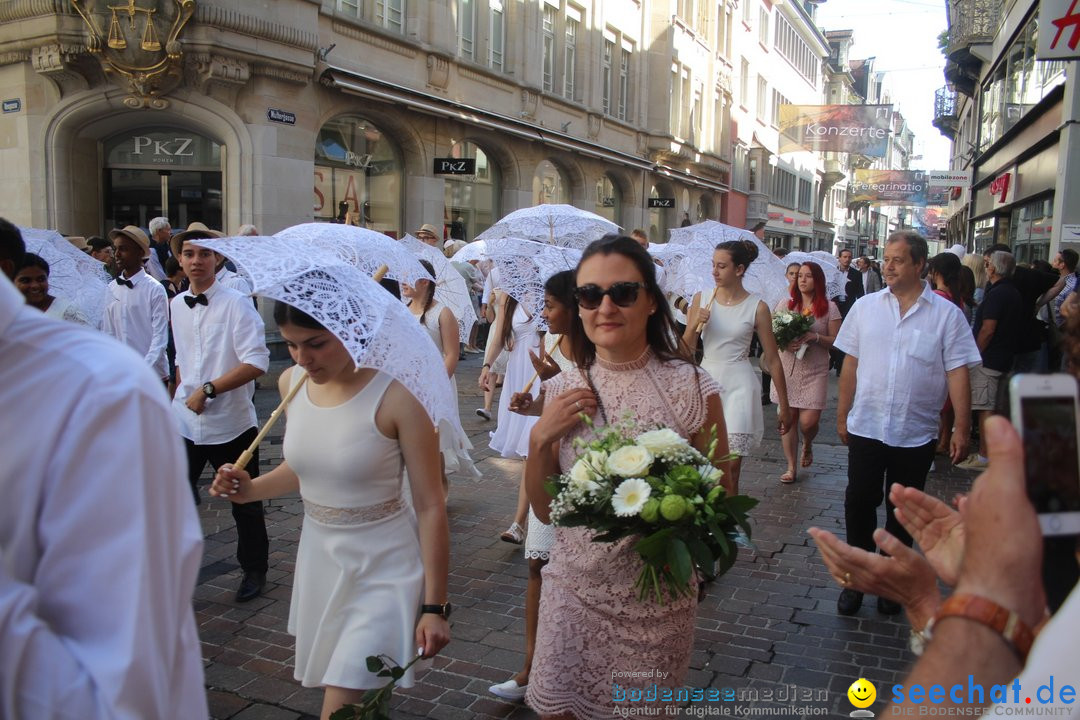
(946, 117)
(972, 22)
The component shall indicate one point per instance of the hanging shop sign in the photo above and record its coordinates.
(860, 129)
(1059, 30)
(949, 178)
(661, 202)
(455, 166)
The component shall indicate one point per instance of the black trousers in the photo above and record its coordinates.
(252, 544)
(873, 467)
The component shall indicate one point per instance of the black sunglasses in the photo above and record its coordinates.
(623, 294)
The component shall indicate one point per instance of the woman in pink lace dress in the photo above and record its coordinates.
(595, 637)
(807, 377)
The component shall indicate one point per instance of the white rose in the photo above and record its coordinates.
(711, 474)
(630, 461)
(661, 441)
(785, 319)
(587, 469)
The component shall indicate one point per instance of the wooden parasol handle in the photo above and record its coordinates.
(528, 386)
(380, 273)
(701, 325)
(245, 457)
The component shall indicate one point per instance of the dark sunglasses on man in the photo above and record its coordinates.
(623, 294)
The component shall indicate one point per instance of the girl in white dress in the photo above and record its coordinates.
(442, 326)
(32, 279)
(516, 332)
(368, 581)
(558, 313)
(728, 325)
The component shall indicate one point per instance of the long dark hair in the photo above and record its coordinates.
(561, 287)
(947, 265)
(429, 298)
(508, 323)
(286, 314)
(743, 252)
(660, 331)
(820, 305)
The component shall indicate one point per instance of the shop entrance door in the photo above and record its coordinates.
(162, 171)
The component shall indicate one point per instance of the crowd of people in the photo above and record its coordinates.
(920, 344)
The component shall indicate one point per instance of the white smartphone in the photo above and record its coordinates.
(1044, 412)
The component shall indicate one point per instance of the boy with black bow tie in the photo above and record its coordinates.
(137, 307)
(220, 350)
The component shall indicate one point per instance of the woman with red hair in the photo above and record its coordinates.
(807, 377)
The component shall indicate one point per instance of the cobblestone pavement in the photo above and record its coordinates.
(768, 625)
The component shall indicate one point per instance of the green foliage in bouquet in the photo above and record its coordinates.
(375, 705)
(657, 486)
(788, 326)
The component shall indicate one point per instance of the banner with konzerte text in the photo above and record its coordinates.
(861, 129)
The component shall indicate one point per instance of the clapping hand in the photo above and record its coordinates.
(937, 528)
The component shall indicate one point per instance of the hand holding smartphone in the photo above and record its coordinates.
(1044, 412)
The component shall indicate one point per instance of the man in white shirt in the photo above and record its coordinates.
(906, 347)
(160, 235)
(99, 548)
(137, 306)
(220, 350)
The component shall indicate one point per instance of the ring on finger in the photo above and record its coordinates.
(847, 579)
(578, 404)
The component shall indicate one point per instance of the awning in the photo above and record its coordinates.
(367, 86)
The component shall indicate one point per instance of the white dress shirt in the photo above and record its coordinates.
(100, 545)
(227, 278)
(139, 317)
(153, 264)
(900, 383)
(211, 340)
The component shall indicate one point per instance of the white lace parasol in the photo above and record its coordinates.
(377, 330)
(450, 287)
(524, 266)
(73, 275)
(685, 269)
(264, 259)
(365, 249)
(472, 251)
(835, 278)
(764, 276)
(563, 225)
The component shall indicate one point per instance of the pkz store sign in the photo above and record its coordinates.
(455, 166)
(662, 202)
(170, 148)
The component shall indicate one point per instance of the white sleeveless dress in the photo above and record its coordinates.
(453, 442)
(726, 341)
(359, 578)
(511, 436)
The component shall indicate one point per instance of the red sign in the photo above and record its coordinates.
(775, 215)
(999, 187)
(788, 220)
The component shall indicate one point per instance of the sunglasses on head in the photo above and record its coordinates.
(623, 294)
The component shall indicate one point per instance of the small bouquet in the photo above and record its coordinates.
(657, 486)
(375, 705)
(788, 326)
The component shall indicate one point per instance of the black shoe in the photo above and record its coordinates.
(765, 400)
(251, 586)
(849, 602)
(885, 606)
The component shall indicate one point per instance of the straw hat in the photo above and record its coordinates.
(136, 235)
(79, 242)
(195, 230)
(429, 229)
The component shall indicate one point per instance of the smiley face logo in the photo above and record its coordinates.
(862, 693)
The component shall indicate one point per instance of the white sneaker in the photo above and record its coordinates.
(509, 690)
(483, 413)
(973, 462)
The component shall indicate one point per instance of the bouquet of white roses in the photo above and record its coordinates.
(658, 486)
(788, 326)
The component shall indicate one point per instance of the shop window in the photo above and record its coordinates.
(358, 175)
(471, 201)
(608, 200)
(550, 185)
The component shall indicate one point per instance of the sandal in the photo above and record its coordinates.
(807, 456)
(514, 534)
(787, 478)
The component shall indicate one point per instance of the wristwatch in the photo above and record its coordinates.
(209, 390)
(443, 610)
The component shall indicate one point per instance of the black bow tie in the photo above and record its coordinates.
(126, 283)
(199, 299)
